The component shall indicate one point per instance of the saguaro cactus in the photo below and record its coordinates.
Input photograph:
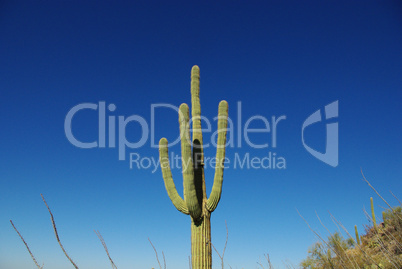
(195, 202)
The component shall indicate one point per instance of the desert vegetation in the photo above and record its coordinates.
(379, 247)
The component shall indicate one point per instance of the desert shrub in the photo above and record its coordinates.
(381, 247)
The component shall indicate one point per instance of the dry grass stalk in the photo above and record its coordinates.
(105, 247)
(26, 245)
(396, 198)
(379, 195)
(268, 261)
(189, 263)
(224, 248)
(325, 242)
(157, 258)
(57, 235)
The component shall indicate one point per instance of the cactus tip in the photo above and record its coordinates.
(195, 70)
(223, 103)
(183, 111)
(183, 106)
(163, 142)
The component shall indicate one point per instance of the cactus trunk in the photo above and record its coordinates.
(195, 202)
(201, 243)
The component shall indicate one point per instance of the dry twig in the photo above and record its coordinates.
(396, 198)
(368, 183)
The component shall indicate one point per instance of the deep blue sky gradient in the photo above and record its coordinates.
(290, 58)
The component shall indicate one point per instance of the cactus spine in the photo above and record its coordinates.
(195, 202)
(372, 213)
(357, 236)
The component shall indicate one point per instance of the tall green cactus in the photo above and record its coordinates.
(357, 236)
(372, 213)
(196, 203)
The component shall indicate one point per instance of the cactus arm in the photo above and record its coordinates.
(190, 191)
(177, 201)
(215, 196)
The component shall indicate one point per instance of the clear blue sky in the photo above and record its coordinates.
(287, 58)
